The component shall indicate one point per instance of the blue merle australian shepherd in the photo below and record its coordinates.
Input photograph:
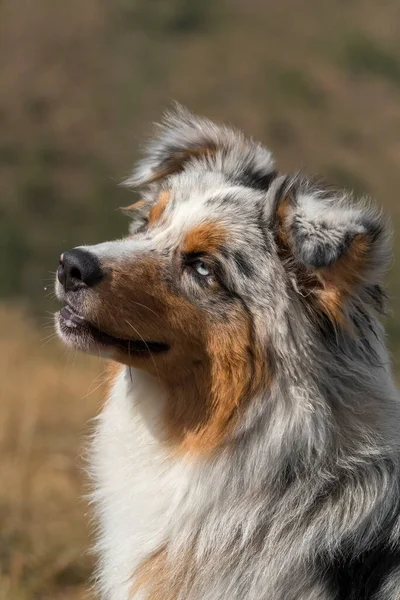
(249, 445)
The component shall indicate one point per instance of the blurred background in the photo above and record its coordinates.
(317, 81)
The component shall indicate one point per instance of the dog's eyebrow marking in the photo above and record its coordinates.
(206, 237)
(158, 209)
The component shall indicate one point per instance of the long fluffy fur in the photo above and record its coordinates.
(300, 501)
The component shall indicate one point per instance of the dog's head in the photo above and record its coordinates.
(223, 256)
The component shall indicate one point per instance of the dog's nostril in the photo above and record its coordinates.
(79, 268)
(75, 273)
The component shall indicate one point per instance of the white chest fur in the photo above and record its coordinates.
(136, 483)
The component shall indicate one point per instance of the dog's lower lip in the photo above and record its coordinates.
(78, 324)
(68, 313)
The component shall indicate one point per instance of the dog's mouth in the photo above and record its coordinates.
(78, 332)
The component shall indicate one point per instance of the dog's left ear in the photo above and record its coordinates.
(183, 139)
(337, 247)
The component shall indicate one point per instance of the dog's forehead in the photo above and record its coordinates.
(203, 218)
(213, 198)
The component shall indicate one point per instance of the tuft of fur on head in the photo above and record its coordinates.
(183, 139)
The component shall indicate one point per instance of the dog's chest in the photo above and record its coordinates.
(136, 483)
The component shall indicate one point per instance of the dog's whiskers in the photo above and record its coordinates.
(147, 346)
(147, 307)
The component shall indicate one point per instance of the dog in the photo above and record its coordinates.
(249, 445)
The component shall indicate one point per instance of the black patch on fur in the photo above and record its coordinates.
(362, 577)
(249, 177)
(224, 252)
(224, 201)
(244, 266)
(346, 345)
(373, 228)
(378, 298)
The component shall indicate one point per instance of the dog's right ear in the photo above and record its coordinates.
(184, 139)
(336, 248)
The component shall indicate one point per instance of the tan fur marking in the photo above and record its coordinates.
(206, 237)
(112, 371)
(157, 210)
(204, 408)
(281, 217)
(135, 206)
(161, 580)
(339, 280)
(151, 575)
(232, 381)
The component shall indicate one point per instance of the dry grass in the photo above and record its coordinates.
(47, 398)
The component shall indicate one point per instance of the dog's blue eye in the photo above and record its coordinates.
(201, 268)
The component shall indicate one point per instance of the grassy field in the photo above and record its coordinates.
(47, 398)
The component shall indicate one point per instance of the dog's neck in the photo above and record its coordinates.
(196, 413)
(283, 454)
(200, 406)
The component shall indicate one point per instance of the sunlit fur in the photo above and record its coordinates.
(258, 458)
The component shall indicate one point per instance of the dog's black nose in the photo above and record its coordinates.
(78, 268)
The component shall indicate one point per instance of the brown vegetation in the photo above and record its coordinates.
(47, 398)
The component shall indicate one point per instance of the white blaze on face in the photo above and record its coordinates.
(118, 249)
